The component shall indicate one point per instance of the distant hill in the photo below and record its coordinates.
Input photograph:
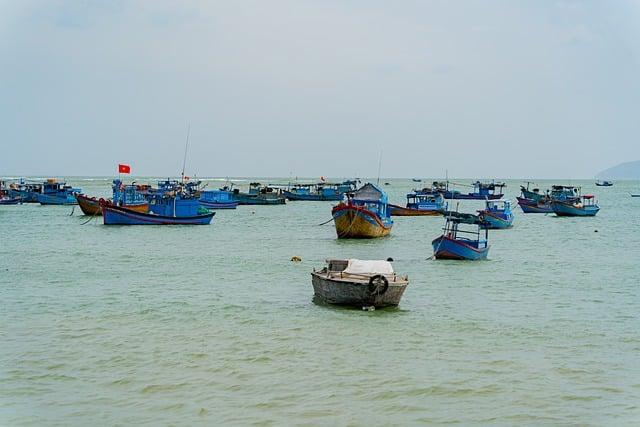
(627, 170)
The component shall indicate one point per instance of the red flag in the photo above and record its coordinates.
(124, 168)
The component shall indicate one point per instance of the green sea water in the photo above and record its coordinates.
(214, 325)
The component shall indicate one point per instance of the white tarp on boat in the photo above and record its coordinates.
(362, 266)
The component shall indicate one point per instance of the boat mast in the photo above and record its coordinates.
(379, 167)
(186, 146)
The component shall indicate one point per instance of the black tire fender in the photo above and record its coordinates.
(378, 285)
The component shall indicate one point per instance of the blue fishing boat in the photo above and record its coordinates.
(572, 207)
(604, 183)
(164, 209)
(420, 205)
(57, 193)
(497, 214)
(533, 194)
(258, 195)
(218, 199)
(26, 191)
(116, 215)
(365, 214)
(451, 245)
(322, 191)
(481, 191)
(534, 206)
(5, 199)
(564, 192)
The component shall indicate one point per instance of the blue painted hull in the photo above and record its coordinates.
(114, 215)
(459, 249)
(313, 197)
(497, 222)
(531, 206)
(470, 196)
(219, 205)
(11, 201)
(26, 196)
(52, 199)
(564, 209)
(246, 199)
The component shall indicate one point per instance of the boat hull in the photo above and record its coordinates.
(358, 223)
(395, 210)
(313, 197)
(91, 206)
(26, 196)
(11, 201)
(447, 248)
(460, 196)
(46, 199)
(115, 215)
(566, 209)
(245, 199)
(219, 205)
(495, 222)
(532, 206)
(341, 292)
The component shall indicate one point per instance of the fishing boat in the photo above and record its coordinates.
(420, 205)
(534, 206)
(564, 192)
(321, 191)
(604, 183)
(497, 214)
(258, 194)
(218, 199)
(452, 245)
(359, 283)
(365, 214)
(57, 193)
(163, 210)
(437, 187)
(5, 199)
(533, 194)
(481, 191)
(26, 191)
(416, 179)
(586, 206)
(126, 196)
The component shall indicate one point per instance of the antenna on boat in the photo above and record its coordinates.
(379, 167)
(186, 146)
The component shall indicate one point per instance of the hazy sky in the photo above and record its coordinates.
(308, 88)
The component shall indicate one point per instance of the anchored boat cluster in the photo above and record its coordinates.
(363, 212)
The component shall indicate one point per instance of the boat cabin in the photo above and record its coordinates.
(127, 194)
(488, 188)
(565, 192)
(173, 206)
(426, 201)
(472, 236)
(371, 198)
(217, 196)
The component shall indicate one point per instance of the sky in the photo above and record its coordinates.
(478, 89)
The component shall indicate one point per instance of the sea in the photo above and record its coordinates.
(216, 325)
